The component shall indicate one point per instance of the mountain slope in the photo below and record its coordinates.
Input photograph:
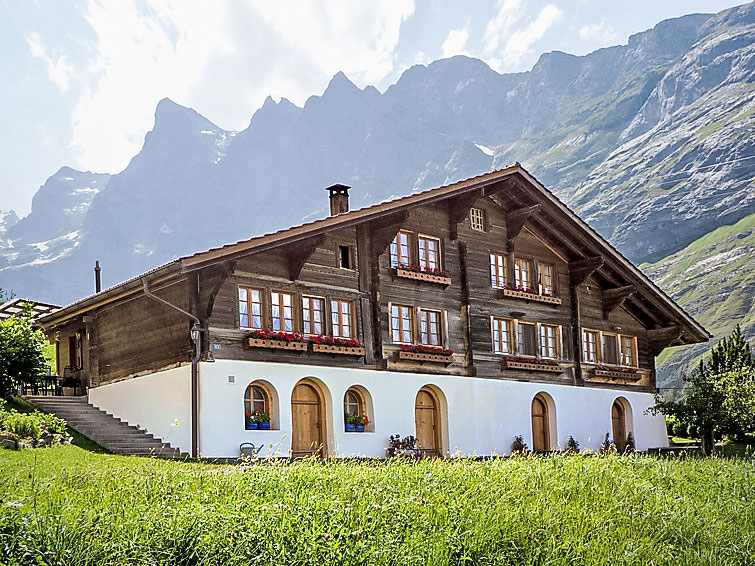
(714, 280)
(607, 132)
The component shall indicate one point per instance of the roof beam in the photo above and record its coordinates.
(515, 222)
(299, 253)
(581, 269)
(458, 208)
(614, 298)
(384, 230)
(661, 338)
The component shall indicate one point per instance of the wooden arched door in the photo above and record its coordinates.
(307, 422)
(540, 425)
(619, 426)
(427, 423)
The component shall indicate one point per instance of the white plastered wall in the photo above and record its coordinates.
(159, 402)
(482, 417)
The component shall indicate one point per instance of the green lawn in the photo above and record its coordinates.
(65, 505)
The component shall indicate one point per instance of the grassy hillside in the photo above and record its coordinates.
(714, 280)
(67, 506)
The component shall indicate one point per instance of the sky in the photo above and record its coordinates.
(80, 80)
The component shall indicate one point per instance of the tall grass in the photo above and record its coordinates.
(67, 506)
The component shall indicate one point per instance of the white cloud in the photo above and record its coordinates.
(600, 32)
(58, 68)
(455, 42)
(222, 59)
(507, 28)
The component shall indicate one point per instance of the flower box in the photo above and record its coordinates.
(530, 295)
(426, 357)
(617, 373)
(440, 278)
(276, 344)
(332, 349)
(531, 365)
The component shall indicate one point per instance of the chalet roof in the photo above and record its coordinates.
(16, 306)
(577, 228)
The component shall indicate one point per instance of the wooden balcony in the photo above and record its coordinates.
(423, 276)
(534, 365)
(527, 296)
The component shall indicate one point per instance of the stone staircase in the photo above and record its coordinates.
(103, 428)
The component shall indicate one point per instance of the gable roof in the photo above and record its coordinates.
(693, 331)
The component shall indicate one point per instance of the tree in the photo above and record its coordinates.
(720, 395)
(21, 351)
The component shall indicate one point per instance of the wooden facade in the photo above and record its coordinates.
(570, 280)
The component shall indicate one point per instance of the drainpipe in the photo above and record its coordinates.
(194, 364)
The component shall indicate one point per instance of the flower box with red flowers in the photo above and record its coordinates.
(328, 345)
(421, 273)
(276, 340)
(531, 364)
(419, 353)
(528, 294)
(607, 372)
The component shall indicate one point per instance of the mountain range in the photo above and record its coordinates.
(650, 142)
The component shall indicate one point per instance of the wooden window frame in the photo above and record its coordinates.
(617, 341)
(336, 328)
(635, 354)
(361, 405)
(439, 253)
(409, 249)
(412, 323)
(530, 272)
(556, 341)
(477, 219)
(249, 303)
(515, 344)
(519, 341)
(339, 257)
(268, 398)
(441, 327)
(497, 279)
(495, 321)
(598, 345)
(294, 312)
(323, 313)
(540, 287)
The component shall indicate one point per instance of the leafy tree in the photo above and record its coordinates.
(21, 351)
(720, 395)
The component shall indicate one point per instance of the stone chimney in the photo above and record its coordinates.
(339, 199)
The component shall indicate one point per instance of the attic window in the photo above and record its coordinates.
(477, 219)
(344, 257)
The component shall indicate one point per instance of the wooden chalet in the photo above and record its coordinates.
(465, 315)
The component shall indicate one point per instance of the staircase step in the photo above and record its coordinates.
(105, 429)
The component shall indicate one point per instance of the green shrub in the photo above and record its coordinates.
(23, 424)
(680, 429)
(54, 424)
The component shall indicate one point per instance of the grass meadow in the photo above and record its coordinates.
(66, 505)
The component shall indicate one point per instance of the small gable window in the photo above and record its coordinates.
(344, 257)
(477, 219)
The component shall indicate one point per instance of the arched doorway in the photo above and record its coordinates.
(619, 426)
(307, 422)
(427, 423)
(541, 441)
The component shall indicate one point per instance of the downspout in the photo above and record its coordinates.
(194, 366)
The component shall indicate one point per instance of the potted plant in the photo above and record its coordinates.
(262, 420)
(251, 424)
(362, 422)
(350, 422)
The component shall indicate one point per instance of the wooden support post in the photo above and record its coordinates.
(465, 312)
(366, 266)
(614, 298)
(576, 330)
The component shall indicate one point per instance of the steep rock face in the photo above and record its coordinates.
(626, 135)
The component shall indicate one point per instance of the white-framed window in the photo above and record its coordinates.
(548, 341)
(497, 270)
(477, 219)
